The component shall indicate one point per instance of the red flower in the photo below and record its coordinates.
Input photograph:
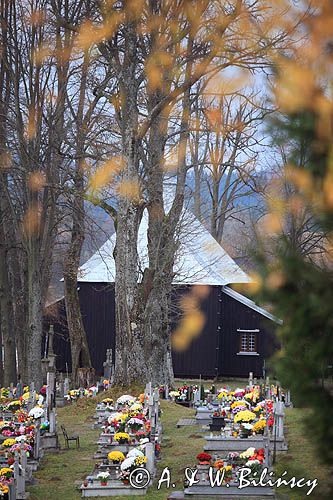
(204, 457)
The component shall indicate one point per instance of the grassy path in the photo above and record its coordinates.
(57, 476)
(58, 473)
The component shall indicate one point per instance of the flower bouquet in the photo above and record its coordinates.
(103, 477)
(259, 427)
(116, 457)
(122, 437)
(36, 412)
(135, 424)
(204, 458)
(244, 416)
(8, 443)
(13, 406)
(107, 401)
(125, 400)
(6, 473)
(129, 464)
(245, 429)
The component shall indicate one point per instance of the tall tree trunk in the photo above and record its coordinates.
(129, 358)
(6, 312)
(35, 321)
(18, 276)
(79, 345)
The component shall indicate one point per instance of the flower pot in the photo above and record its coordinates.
(104, 483)
(125, 481)
(203, 466)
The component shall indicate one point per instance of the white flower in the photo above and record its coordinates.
(248, 453)
(135, 453)
(252, 463)
(36, 412)
(20, 439)
(144, 441)
(136, 407)
(125, 399)
(135, 421)
(247, 426)
(103, 476)
(114, 416)
(127, 463)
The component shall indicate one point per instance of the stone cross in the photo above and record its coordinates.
(19, 479)
(251, 380)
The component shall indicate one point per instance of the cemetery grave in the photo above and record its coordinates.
(129, 442)
(27, 430)
(112, 416)
(249, 413)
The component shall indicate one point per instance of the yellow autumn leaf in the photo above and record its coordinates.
(105, 174)
(129, 189)
(90, 34)
(36, 181)
(296, 86)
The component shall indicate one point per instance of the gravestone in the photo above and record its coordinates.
(66, 386)
(19, 476)
(60, 392)
(107, 365)
(150, 454)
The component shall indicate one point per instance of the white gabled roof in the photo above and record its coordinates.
(200, 260)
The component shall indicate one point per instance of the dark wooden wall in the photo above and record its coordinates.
(236, 315)
(212, 353)
(200, 358)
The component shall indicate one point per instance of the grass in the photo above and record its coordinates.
(302, 459)
(60, 472)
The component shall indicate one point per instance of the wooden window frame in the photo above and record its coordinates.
(247, 333)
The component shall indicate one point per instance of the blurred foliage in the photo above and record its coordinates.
(304, 297)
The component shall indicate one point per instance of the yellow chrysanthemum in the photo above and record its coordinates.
(116, 456)
(121, 436)
(8, 442)
(244, 416)
(259, 426)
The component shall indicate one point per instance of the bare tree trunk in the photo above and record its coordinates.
(6, 313)
(18, 276)
(35, 323)
(129, 359)
(79, 345)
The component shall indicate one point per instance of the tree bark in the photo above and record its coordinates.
(129, 357)
(79, 345)
(35, 322)
(6, 313)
